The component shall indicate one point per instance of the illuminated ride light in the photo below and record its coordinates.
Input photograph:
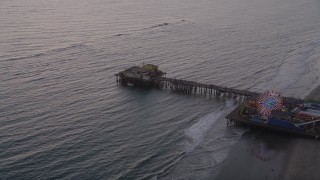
(269, 101)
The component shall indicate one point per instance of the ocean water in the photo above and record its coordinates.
(63, 116)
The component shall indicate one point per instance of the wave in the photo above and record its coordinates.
(165, 165)
(119, 34)
(165, 24)
(210, 145)
(198, 130)
(160, 25)
(23, 57)
(151, 27)
(72, 46)
(295, 70)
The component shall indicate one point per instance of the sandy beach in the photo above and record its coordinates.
(269, 155)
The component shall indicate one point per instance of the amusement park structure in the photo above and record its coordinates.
(290, 116)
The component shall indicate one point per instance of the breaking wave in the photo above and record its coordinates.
(198, 130)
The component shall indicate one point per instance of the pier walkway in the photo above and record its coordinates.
(190, 87)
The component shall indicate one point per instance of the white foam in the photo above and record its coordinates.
(209, 143)
(198, 130)
(220, 155)
(230, 103)
(290, 71)
(298, 73)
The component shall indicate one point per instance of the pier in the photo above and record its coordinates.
(285, 120)
(149, 75)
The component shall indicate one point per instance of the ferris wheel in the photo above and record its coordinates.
(268, 102)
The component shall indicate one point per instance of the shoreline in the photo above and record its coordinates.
(314, 94)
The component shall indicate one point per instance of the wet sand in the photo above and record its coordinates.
(268, 155)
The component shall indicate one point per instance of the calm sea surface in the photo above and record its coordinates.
(63, 116)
